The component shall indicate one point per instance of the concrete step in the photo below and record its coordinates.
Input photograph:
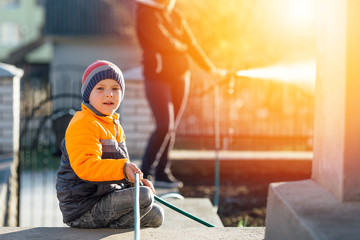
(199, 207)
(176, 226)
(48, 233)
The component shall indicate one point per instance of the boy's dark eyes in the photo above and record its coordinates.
(114, 88)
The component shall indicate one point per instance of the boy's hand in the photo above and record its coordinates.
(149, 184)
(130, 170)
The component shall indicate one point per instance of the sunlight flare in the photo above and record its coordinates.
(302, 72)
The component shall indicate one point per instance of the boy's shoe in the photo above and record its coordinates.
(167, 181)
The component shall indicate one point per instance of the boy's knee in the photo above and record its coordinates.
(154, 218)
(146, 196)
(160, 215)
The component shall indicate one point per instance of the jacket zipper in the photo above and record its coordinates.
(116, 122)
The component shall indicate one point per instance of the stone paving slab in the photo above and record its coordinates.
(199, 207)
(47, 233)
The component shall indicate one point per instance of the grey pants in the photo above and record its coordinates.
(116, 210)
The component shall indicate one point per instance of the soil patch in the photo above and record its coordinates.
(239, 206)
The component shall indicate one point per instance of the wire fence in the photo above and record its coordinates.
(254, 114)
(44, 117)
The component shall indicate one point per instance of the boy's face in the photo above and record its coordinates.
(105, 96)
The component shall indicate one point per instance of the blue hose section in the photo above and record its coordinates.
(217, 146)
(137, 209)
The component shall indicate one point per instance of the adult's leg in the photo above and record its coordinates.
(159, 97)
(179, 97)
(116, 210)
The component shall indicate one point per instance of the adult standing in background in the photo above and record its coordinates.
(167, 42)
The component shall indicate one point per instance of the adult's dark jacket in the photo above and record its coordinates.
(167, 42)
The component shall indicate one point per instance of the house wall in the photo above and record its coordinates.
(135, 114)
(136, 117)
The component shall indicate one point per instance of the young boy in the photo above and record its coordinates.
(93, 182)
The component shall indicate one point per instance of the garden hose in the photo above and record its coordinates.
(183, 212)
(162, 201)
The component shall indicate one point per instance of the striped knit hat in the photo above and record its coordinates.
(97, 71)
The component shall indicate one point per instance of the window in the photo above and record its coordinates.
(9, 34)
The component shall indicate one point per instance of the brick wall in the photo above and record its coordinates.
(135, 115)
(9, 142)
(6, 116)
(9, 108)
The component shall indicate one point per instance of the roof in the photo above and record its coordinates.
(7, 70)
(89, 18)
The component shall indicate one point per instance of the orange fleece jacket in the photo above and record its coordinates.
(84, 141)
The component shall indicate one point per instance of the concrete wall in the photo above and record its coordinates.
(337, 129)
(327, 206)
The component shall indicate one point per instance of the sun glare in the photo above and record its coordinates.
(297, 73)
(300, 11)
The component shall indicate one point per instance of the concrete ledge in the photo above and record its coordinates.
(241, 166)
(305, 210)
(43, 233)
(241, 155)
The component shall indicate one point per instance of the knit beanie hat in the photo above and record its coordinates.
(97, 71)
